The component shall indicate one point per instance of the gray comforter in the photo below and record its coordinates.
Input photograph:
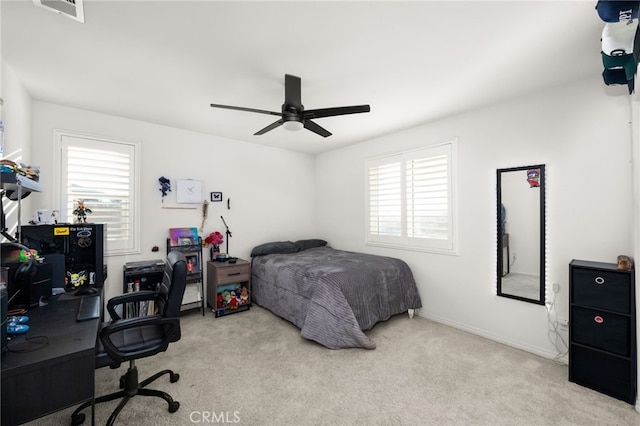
(333, 295)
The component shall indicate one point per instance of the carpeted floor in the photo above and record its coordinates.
(523, 285)
(253, 368)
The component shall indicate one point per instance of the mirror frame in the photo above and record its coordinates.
(499, 269)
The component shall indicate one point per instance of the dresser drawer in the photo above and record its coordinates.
(602, 330)
(602, 289)
(603, 372)
(232, 273)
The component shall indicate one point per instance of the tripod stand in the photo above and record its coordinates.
(228, 234)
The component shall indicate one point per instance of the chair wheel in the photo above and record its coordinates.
(174, 377)
(173, 406)
(77, 419)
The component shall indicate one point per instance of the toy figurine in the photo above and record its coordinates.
(81, 212)
(219, 301)
(244, 296)
(233, 303)
(76, 279)
(226, 298)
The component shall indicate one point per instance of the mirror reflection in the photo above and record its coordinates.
(520, 210)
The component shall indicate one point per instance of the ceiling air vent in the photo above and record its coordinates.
(71, 8)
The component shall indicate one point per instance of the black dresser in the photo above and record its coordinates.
(602, 328)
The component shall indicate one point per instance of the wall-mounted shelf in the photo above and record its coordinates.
(15, 182)
(16, 187)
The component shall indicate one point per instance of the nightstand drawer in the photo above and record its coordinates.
(232, 273)
(602, 289)
(602, 330)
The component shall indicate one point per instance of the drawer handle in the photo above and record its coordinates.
(235, 273)
(598, 319)
(599, 280)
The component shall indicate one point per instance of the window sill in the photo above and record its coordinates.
(412, 248)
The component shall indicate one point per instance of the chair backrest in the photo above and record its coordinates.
(173, 284)
(139, 337)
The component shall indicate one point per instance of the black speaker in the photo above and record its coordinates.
(56, 262)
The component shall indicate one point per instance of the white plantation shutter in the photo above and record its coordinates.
(428, 197)
(385, 198)
(410, 199)
(103, 173)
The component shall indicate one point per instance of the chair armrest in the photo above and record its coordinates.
(170, 333)
(136, 296)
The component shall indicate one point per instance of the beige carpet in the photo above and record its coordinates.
(523, 285)
(253, 368)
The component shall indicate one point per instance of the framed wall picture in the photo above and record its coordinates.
(189, 191)
(216, 196)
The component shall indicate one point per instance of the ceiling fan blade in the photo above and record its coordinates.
(269, 127)
(261, 111)
(330, 112)
(293, 91)
(310, 125)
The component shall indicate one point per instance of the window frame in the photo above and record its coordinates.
(403, 242)
(133, 243)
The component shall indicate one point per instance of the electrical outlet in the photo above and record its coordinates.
(563, 323)
(556, 288)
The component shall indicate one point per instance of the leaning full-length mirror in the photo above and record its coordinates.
(521, 253)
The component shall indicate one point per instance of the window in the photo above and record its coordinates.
(103, 173)
(410, 199)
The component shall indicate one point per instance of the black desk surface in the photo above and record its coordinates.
(59, 372)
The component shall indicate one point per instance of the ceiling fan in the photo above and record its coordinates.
(293, 115)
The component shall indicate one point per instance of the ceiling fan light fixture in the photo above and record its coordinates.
(292, 126)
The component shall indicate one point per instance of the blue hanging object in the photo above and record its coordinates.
(165, 186)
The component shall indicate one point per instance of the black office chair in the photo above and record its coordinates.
(128, 339)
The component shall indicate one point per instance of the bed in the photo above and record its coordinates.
(332, 296)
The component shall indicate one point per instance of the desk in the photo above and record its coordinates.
(60, 374)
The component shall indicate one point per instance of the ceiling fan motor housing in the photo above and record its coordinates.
(293, 111)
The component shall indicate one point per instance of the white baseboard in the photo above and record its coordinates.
(483, 333)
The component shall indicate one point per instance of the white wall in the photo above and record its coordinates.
(16, 115)
(581, 132)
(271, 190)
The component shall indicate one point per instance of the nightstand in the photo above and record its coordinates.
(229, 287)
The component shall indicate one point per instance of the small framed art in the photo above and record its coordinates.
(189, 191)
(216, 196)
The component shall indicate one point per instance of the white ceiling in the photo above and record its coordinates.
(165, 61)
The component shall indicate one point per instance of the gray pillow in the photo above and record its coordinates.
(277, 247)
(310, 243)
